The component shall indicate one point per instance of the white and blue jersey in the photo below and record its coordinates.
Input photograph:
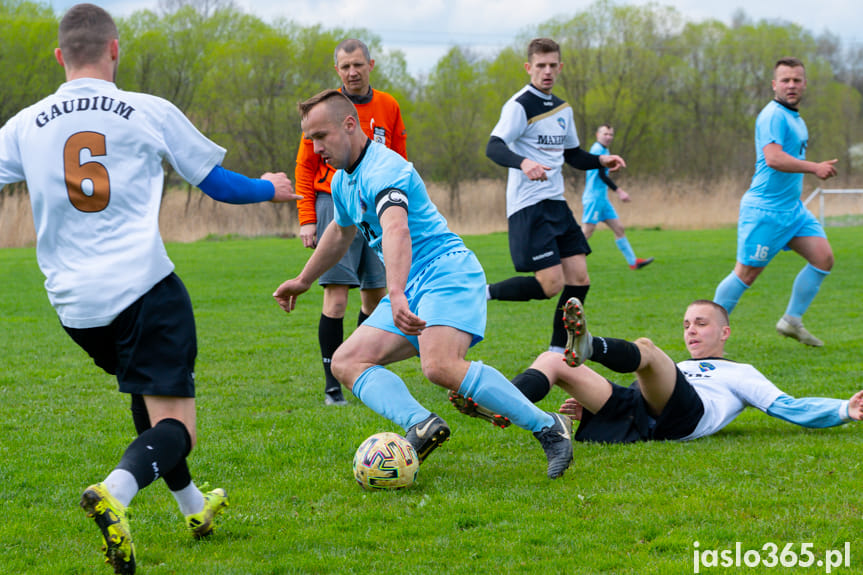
(92, 157)
(726, 388)
(446, 283)
(772, 189)
(538, 126)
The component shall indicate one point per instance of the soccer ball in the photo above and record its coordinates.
(386, 461)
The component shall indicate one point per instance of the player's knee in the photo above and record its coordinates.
(441, 372)
(646, 347)
(551, 285)
(826, 262)
(340, 371)
(335, 301)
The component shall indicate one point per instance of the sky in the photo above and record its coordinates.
(425, 29)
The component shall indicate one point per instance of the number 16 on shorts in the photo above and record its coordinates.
(770, 555)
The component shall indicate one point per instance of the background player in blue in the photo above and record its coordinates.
(534, 136)
(92, 155)
(694, 398)
(598, 208)
(772, 216)
(435, 304)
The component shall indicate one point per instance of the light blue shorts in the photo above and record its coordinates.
(762, 233)
(597, 209)
(449, 290)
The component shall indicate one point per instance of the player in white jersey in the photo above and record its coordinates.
(772, 216)
(435, 306)
(691, 399)
(91, 156)
(598, 208)
(533, 138)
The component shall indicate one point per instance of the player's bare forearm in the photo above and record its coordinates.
(398, 256)
(778, 159)
(333, 246)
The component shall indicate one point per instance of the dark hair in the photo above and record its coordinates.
(542, 46)
(335, 98)
(789, 61)
(723, 313)
(606, 125)
(348, 46)
(84, 31)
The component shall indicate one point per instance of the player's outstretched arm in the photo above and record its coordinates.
(334, 244)
(855, 406)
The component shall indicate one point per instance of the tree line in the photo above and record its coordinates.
(682, 95)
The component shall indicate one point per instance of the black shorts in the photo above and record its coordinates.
(625, 417)
(542, 234)
(151, 346)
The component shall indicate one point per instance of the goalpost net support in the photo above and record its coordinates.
(820, 193)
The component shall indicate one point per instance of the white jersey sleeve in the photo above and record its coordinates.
(726, 388)
(92, 155)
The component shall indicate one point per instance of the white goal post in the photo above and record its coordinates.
(821, 192)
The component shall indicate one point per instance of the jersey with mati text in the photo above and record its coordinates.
(538, 126)
(92, 158)
(380, 119)
(381, 179)
(594, 187)
(770, 188)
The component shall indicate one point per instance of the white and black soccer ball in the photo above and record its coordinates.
(386, 461)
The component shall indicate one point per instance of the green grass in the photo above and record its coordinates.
(482, 503)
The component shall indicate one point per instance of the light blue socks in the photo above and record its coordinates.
(728, 291)
(806, 286)
(387, 395)
(626, 250)
(489, 388)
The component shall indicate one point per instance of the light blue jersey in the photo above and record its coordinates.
(594, 187)
(446, 283)
(772, 189)
(381, 177)
(596, 207)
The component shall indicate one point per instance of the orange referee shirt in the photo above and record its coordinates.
(380, 119)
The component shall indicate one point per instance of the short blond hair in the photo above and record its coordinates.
(337, 103)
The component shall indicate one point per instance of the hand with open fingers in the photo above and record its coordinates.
(572, 408)
(855, 406)
(287, 293)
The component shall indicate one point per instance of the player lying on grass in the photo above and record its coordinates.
(435, 306)
(694, 398)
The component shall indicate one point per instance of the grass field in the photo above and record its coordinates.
(482, 503)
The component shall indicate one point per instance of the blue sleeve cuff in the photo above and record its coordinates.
(816, 412)
(232, 188)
